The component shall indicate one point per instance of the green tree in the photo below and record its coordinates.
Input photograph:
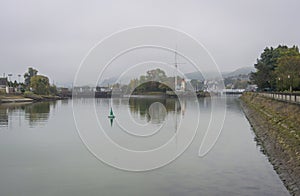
(265, 76)
(143, 79)
(53, 90)
(197, 84)
(40, 85)
(151, 86)
(240, 84)
(15, 84)
(28, 75)
(156, 74)
(133, 84)
(154, 80)
(288, 73)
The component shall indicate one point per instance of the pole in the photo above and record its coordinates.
(289, 77)
(176, 69)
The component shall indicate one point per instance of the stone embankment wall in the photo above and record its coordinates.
(277, 128)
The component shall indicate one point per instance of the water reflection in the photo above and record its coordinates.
(111, 121)
(37, 112)
(3, 116)
(64, 101)
(154, 110)
(32, 113)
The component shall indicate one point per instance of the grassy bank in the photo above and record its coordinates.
(277, 127)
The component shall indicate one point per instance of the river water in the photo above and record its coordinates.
(41, 152)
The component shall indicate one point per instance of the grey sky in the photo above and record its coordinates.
(53, 36)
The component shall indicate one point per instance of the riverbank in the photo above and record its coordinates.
(276, 125)
(27, 98)
(187, 94)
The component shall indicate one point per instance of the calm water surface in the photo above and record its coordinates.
(42, 154)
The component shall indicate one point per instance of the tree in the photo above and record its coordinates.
(142, 79)
(156, 74)
(40, 85)
(288, 73)
(151, 86)
(133, 84)
(28, 75)
(265, 76)
(197, 84)
(14, 84)
(53, 90)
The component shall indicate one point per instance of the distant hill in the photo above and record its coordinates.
(240, 71)
(108, 81)
(237, 72)
(195, 75)
(199, 76)
(192, 75)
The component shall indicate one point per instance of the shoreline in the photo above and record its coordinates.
(27, 99)
(276, 144)
(21, 100)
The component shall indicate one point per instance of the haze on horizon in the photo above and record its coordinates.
(54, 36)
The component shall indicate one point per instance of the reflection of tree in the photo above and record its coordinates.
(141, 106)
(3, 116)
(157, 113)
(34, 113)
(64, 101)
(37, 112)
(9, 110)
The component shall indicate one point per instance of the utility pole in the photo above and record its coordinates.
(176, 67)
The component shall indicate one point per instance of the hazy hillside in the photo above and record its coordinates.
(192, 75)
(240, 71)
(195, 75)
(237, 72)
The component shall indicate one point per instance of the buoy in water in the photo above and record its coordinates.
(111, 115)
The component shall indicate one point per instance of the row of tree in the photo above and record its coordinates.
(278, 69)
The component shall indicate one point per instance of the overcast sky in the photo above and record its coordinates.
(53, 36)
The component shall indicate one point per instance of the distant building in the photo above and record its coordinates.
(3, 82)
(102, 89)
(183, 85)
(64, 92)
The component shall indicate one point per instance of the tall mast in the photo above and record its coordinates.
(176, 67)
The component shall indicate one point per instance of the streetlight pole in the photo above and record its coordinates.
(290, 83)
